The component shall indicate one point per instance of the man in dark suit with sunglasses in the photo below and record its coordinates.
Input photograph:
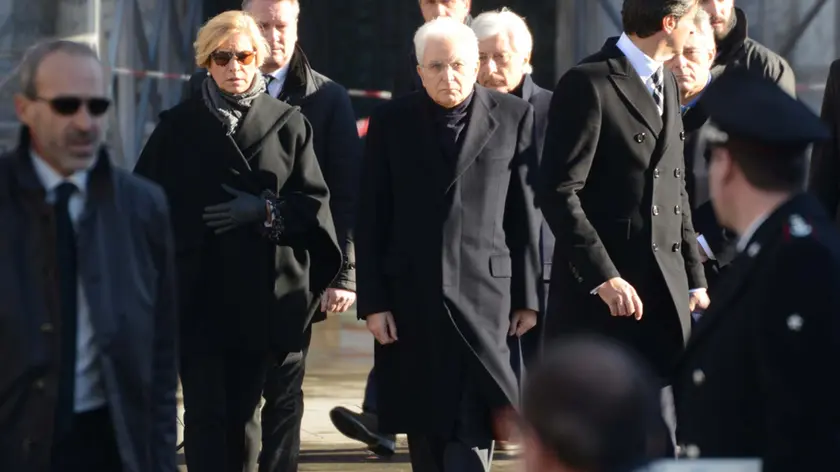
(87, 306)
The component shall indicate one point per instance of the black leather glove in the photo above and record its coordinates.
(242, 210)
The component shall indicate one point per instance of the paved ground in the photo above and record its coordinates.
(339, 361)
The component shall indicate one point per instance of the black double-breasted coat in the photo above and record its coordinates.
(759, 374)
(435, 232)
(241, 289)
(613, 192)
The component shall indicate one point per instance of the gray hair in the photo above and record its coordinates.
(247, 3)
(447, 28)
(35, 55)
(703, 28)
(504, 21)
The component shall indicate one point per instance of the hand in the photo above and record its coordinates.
(698, 299)
(382, 326)
(522, 322)
(621, 297)
(336, 300)
(243, 209)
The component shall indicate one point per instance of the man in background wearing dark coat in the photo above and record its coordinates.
(326, 105)
(87, 286)
(504, 52)
(406, 79)
(613, 192)
(825, 162)
(735, 50)
(757, 377)
(448, 262)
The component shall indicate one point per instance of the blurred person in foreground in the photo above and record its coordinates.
(255, 238)
(88, 365)
(364, 426)
(326, 105)
(449, 262)
(824, 179)
(504, 53)
(757, 378)
(589, 405)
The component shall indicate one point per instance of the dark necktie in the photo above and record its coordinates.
(658, 92)
(68, 285)
(268, 80)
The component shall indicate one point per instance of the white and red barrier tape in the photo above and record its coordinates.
(156, 74)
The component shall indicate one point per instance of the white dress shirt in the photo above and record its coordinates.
(276, 85)
(644, 65)
(744, 239)
(89, 393)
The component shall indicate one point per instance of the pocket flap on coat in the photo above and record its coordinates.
(500, 266)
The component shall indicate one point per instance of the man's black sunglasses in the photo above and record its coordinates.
(68, 106)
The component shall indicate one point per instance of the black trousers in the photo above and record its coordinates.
(90, 446)
(282, 413)
(222, 393)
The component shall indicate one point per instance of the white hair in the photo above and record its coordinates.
(504, 21)
(703, 28)
(453, 30)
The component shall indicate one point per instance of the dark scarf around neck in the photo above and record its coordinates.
(227, 107)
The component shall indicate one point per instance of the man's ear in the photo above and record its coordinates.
(22, 110)
(669, 23)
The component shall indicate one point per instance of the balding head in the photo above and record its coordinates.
(591, 406)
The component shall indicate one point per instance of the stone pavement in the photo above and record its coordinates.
(338, 365)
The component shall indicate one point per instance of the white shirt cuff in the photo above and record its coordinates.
(595, 290)
(705, 247)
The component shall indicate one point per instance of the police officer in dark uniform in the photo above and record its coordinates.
(758, 378)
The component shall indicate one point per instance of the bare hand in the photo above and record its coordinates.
(382, 326)
(522, 322)
(336, 300)
(698, 299)
(622, 298)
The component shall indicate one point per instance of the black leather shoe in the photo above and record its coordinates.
(363, 427)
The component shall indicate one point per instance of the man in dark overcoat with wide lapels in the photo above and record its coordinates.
(448, 252)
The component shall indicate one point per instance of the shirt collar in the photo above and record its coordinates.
(645, 65)
(693, 102)
(51, 179)
(281, 73)
(750, 231)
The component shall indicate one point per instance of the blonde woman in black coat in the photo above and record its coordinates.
(254, 235)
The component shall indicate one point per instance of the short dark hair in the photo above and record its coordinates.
(775, 168)
(35, 55)
(643, 18)
(595, 405)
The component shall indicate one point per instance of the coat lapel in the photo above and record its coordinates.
(480, 128)
(632, 90)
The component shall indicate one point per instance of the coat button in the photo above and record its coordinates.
(47, 328)
(677, 210)
(692, 451)
(682, 135)
(40, 384)
(698, 376)
(655, 210)
(655, 246)
(27, 446)
(640, 138)
(677, 172)
(656, 173)
(675, 247)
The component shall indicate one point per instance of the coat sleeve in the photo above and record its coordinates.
(574, 126)
(522, 221)
(152, 161)
(303, 218)
(798, 335)
(825, 168)
(164, 362)
(373, 223)
(341, 171)
(786, 78)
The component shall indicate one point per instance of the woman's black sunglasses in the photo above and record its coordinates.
(68, 106)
